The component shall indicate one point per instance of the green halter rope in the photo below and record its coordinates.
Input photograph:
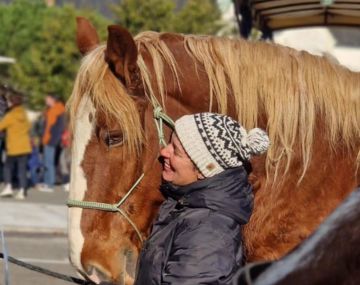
(159, 118)
(109, 207)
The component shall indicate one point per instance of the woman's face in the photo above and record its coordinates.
(177, 166)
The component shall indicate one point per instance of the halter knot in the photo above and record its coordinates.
(158, 112)
(161, 117)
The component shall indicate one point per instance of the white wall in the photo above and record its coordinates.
(318, 41)
(4, 59)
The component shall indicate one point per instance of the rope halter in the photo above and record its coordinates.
(159, 118)
(110, 207)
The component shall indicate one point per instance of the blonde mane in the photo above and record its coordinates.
(96, 80)
(290, 88)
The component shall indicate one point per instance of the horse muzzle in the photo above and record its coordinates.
(116, 270)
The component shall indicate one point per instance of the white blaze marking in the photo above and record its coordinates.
(83, 129)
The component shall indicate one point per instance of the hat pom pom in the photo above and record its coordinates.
(258, 141)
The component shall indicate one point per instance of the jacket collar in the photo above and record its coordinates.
(228, 193)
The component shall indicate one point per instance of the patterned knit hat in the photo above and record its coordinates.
(216, 142)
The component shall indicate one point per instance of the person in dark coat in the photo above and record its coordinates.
(196, 238)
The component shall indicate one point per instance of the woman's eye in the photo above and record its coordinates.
(113, 139)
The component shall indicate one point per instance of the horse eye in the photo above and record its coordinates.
(113, 138)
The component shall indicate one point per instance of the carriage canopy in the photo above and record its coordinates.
(272, 15)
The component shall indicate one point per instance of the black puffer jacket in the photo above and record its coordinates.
(196, 238)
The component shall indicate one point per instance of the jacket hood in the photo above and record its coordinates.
(228, 193)
(18, 113)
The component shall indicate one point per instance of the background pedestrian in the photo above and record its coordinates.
(17, 139)
(54, 127)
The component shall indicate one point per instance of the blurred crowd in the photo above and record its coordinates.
(33, 155)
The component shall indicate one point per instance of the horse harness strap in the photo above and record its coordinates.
(110, 207)
(159, 117)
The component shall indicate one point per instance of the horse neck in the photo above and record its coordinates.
(318, 257)
(151, 148)
(148, 197)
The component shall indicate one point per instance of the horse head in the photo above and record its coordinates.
(114, 143)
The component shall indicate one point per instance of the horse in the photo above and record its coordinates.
(329, 256)
(127, 87)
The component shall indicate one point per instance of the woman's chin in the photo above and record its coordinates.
(168, 175)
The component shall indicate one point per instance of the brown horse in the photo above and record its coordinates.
(329, 256)
(309, 106)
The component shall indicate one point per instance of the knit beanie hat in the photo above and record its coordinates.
(216, 142)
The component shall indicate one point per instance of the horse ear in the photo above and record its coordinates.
(86, 35)
(121, 52)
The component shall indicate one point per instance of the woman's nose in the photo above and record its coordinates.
(165, 151)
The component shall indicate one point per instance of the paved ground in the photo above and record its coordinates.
(45, 250)
(39, 212)
(35, 231)
(58, 197)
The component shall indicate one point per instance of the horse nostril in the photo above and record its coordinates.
(130, 259)
(120, 269)
(97, 276)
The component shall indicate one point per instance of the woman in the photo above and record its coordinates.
(18, 147)
(196, 238)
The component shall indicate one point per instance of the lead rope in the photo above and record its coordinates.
(45, 271)
(159, 118)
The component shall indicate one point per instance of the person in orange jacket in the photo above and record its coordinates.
(18, 147)
(54, 127)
